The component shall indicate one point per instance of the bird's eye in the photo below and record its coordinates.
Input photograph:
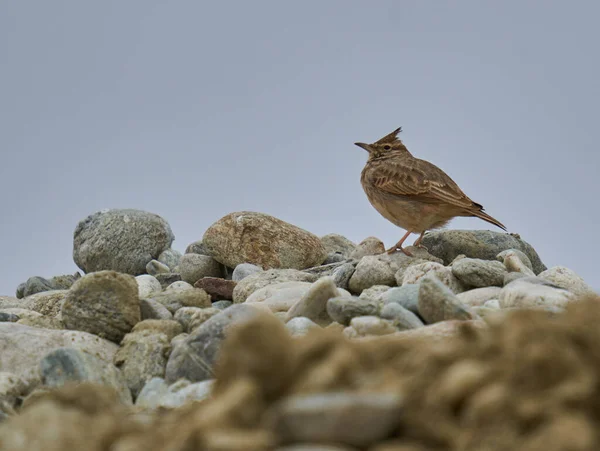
(387, 147)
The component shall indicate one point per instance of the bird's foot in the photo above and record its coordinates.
(394, 249)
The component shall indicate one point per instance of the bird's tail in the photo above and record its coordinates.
(483, 215)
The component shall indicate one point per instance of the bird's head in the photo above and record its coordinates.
(388, 144)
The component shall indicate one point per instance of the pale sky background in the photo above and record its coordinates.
(195, 109)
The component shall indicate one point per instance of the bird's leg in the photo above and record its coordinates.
(398, 245)
(418, 242)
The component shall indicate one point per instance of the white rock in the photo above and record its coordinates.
(415, 273)
(147, 285)
(567, 279)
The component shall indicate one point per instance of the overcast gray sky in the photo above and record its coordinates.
(195, 109)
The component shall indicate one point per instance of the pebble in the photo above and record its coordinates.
(479, 296)
(479, 273)
(300, 325)
(522, 293)
(7, 317)
(147, 285)
(483, 244)
(170, 328)
(65, 365)
(222, 305)
(492, 304)
(515, 253)
(343, 309)
(194, 267)
(255, 282)
(415, 273)
(37, 284)
(368, 246)
(313, 304)
(192, 317)
(374, 293)
(263, 240)
(103, 303)
(151, 309)
(244, 270)
(175, 298)
(338, 244)
(567, 279)
(197, 247)
(280, 297)
(155, 267)
(438, 303)
(157, 394)
(347, 418)
(48, 303)
(342, 274)
(407, 296)
(122, 240)
(371, 271)
(12, 387)
(400, 317)
(371, 326)
(167, 279)
(170, 258)
(218, 288)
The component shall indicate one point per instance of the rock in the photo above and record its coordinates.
(369, 246)
(48, 303)
(414, 274)
(522, 293)
(313, 305)
(40, 320)
(435, 333)
(492, 304)
(120, 240)
(174, 299)
(478, 296)
(343, 309)
(151, 309)
(567, 279)
(196, 248)
(35, 285)
(20, 292)
(179, 286)
(219, 289)
(244, 270)
(170, 258)
(65, 365)
(170, 327)
(103, 303)
(195, 356)
(483, 244)
(280, 297)
(338, 244)
(511, 276)
(515, 261)
(222, 305)
(365, 326)
(300, 325)
(354, 419)
(143, 355)
(194, 267)
(479, 273)
(192, 317)
(374, 293)
(147, 285)
(10, 302)
(12, 387)
(400, 317)
(8, 317)
(438, 303)
(334, 257)
(407, 296)
(254, 282)
(342, 274)
(324, 270)
(167, 279)
(156, 393)
(371, 271)
(263, 240)
(155, 267)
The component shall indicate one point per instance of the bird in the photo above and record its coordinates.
(411, 193)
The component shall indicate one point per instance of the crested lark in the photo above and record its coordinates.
(412, 193)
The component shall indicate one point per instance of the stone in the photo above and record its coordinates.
(567, 279)
(122, 240)
(478, 296)
(516, 261)
(313, 305)
(483, 244)
(217, 288)
(167, 279)
(371, 326)
(147, 285)
(438, 303)
(22, 347)
(8, 317)
(369, 246)
(179, 286)
(374, 293)
(10, 302)
(103, 303)
(342, 274)
(264, 240)
(20, 291)
(492, 304)
(334, 257)
(151, 309)
(509, 277)
(338, 244)
(415, 273)
(371, 271)
(299, 326)
(222, 305)
(169, 327)
(35, 285)
(143, 355)
(400, 317)
(343, 309)
(407, 296)
(196, 248)
(244, 270)
(65, 365)
(280, 297)
(12, 387)
(158, 394)
(348, 418)
(40, 320)
(48, 303)
(155, 267)
(479, 273)
(192, 317)
(170, 258)
(256, 281)
(194, 357)
(174, 299)
(194, 267)
(522, 293)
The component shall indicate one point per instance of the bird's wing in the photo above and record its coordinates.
(419, 180)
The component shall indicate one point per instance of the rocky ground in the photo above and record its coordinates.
(264, 336)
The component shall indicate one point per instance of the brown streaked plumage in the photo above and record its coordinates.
(412, 193)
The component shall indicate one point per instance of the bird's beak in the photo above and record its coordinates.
(364, 146)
